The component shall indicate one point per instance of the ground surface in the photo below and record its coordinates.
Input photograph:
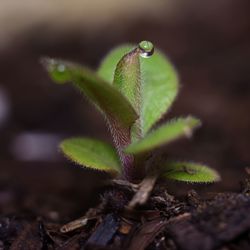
(217, 221)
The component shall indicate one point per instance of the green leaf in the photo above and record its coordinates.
(107, 67)
(166, 133)
(107, 98)
(159, 83)
(160, 88)
(91, 153)
(127, 77)
(190, 172)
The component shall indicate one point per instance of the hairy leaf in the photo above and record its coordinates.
(108, 65)
(127, 80)
(159, 90)
(107, 98)
(159, 83)
(91, 153)
(164, 134)
(127, 77)
(189, 172)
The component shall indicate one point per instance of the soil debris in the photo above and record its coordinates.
(163, 222)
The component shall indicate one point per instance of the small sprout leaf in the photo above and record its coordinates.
(107, 98)
(108, 65)
(91, 153)
(158, 79)
(166, 133)
(159, 89)
(189, 172)
(127, 77)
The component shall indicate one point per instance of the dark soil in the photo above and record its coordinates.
(217, 221)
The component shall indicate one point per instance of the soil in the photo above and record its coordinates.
(217, 221)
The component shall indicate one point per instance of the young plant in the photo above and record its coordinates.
(133, 88)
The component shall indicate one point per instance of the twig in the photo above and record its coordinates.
(75, 224)
(142, 195)
(92, 213)
(125, 184)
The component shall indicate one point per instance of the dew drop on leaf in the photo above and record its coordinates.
(60, 67)
(146, 49)
(58, 71)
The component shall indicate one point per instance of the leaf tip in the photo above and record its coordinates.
(191, 124)
(56, 69)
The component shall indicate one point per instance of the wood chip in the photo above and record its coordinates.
(142, 195)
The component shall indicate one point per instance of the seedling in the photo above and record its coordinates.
(133, 88)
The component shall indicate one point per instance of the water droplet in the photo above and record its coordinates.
(57, 69)
(61, 68)
(146, 48)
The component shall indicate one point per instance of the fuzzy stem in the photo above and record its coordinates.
(121, 138)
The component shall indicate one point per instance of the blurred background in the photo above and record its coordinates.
(207, 41)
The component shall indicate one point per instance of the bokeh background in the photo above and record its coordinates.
(209, 44)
